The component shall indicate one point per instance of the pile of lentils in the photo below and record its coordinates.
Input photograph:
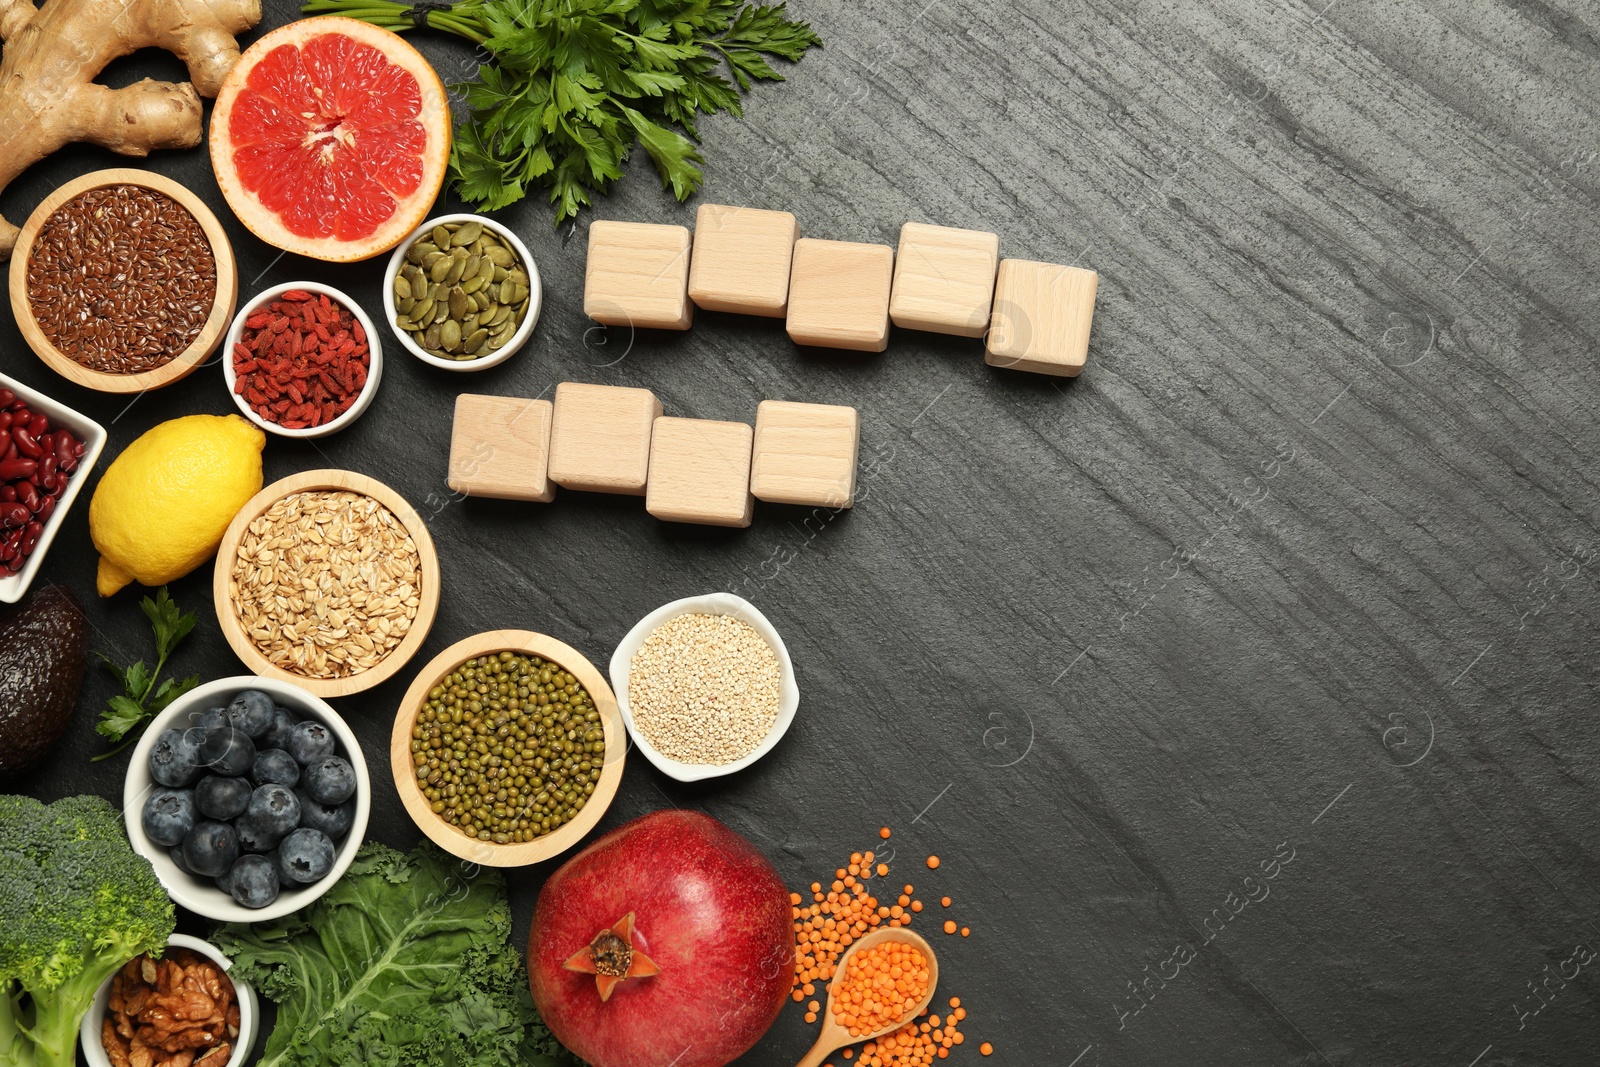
(121, 279)
(508, 748)
(704, 689)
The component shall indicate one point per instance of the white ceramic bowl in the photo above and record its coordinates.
(518, 339)
(710, 604)
(201, 896)
(249, 1010)
(374, 364)
(93, 436)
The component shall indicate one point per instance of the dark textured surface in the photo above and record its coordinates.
(1304, 564)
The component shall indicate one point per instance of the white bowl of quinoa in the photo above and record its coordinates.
(705, 686)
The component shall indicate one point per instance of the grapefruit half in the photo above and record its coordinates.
(330, 138)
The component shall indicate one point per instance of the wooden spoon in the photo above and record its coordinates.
(834, 1036)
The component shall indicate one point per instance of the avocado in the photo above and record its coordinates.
(44, 648)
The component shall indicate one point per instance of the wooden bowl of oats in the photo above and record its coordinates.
(327, 579)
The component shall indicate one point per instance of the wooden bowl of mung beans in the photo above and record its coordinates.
(507, 748)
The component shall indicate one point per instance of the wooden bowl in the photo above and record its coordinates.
(386, 668)
(487, 853)
(186, 361)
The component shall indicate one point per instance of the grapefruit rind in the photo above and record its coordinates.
(393, 130)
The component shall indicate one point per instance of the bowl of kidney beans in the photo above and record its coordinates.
(46, 451)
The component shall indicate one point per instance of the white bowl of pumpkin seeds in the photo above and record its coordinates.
(462, 293)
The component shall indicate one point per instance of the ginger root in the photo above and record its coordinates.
(48, 96)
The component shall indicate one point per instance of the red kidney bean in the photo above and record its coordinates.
(25, 443)
(36, 462)
(14, 469)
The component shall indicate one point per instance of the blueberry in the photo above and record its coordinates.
(252, 838)
(252, 712)
(283, 721)
(211, 718)
(227, 751)
(331, 780)
(332, 819)
(210, 848)
(222, 798)
(175, 758)
(273, 809)
(308, 742)
(274, 765)
(253, 881)
(175, 853)
(305, 855)
(168, 816)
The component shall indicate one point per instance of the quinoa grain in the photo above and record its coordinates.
(704, 689)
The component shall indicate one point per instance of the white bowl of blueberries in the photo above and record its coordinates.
(250, 798)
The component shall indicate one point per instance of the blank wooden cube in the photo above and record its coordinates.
(1042, 313)
(638, 275)
(500, 447)
(600, 437)
(741, 260)
(805, 454)
(839, 294)
(944, 279)
(700, 472)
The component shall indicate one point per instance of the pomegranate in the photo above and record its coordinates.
(668, 941)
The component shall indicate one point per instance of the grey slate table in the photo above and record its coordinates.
(1247, 684)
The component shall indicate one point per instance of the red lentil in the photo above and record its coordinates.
(302, 360)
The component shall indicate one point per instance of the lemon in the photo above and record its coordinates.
(161, 509)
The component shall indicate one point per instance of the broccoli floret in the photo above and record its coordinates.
(77, 903)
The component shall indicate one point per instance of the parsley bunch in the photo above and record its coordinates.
(574, 84)
(142, 698)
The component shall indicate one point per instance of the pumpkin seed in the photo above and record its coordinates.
(458, 303)
(441, 268)
(430, 336)
(402, 287)
(450, 335)
(441, 237)
(467, 234)
(421, 311)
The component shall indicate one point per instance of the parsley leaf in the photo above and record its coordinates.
(141, 698)
(575, 85)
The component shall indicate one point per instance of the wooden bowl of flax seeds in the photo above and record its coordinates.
(123, 280)
(327, 579)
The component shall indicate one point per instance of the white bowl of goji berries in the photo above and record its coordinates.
(302, 360)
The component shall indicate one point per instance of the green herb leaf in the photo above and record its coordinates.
(171, 625)
(122, 714)
(141, 698)
(168, 691)
(574, 86)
